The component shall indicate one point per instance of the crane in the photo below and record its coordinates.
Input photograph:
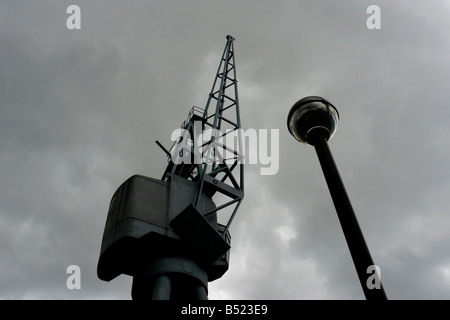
(168, 233)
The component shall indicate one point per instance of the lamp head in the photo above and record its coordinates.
(312, 116)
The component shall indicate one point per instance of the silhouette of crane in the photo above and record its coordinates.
(166, 233)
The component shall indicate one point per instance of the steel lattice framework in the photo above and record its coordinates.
(216, 161)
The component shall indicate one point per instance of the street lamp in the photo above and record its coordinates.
(313, 120)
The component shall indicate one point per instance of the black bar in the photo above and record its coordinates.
(163, 149)
(349, 223)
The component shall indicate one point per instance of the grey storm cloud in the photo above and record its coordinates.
(80, 111)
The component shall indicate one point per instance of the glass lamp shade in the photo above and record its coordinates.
(311, 116)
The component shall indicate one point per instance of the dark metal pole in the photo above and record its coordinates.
(349, 223)
(200, 293)
(162, 288)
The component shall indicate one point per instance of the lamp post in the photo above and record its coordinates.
(313, 120)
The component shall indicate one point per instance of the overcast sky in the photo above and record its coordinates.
(80, 111)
